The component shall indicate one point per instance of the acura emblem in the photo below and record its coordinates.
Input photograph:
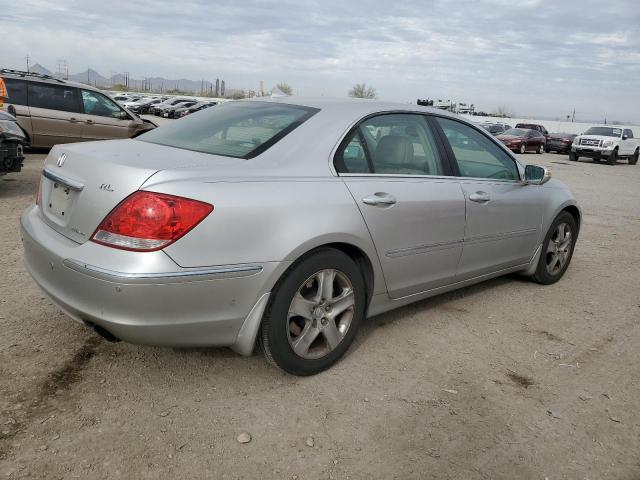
(61, 159)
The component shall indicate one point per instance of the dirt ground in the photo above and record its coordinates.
(503, 380)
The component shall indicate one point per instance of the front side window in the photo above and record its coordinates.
(476, 155)
(235, 129)
(396, 144)
(97, 104)
(628, 133)
(53, 97)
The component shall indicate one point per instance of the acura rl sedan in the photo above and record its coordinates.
(286, 223)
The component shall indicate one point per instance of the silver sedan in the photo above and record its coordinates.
(285, 223)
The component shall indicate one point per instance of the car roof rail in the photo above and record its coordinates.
(22, 73)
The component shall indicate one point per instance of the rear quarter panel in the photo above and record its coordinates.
(277, 220)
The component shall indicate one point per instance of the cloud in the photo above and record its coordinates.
(538, 57)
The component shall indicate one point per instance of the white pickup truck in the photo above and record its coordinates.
(608, 143)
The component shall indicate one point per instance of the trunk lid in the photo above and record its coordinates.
(81, 183)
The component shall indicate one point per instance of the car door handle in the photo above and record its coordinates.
(380, 199)
(479, 197)
(90, 122)
(73, 120)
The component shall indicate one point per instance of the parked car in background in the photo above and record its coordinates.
(144, 106)
(12, 142)
(523, 140)
(279, 253)
(496, 128)
(606, 143)
(52, 111)
(170, 111)
(184, 111)
(559, 142)
(534, 126)
(159, 108)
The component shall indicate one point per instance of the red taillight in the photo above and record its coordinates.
(148, 221)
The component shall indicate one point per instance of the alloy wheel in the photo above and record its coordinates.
(320, 314)
(559, 248)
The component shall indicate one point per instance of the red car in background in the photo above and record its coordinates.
(522, 140)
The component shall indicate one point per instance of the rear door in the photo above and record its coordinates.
(397, 173)
(18, 97)
(503, 216)
(104, 119)
(55, 114)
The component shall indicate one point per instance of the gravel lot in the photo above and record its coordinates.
(503, 380)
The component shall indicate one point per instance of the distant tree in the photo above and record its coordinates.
(285, 88)
(237, 95)
(502, 111)
(360, 90)
(119, 87)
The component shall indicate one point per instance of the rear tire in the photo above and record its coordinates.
(557, 250)
(540, 149)
(633, 159)
(307, 327)
(613, 158)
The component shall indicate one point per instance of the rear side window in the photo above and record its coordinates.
(476, 155)
(234, 129)
(16, 91)
(392, 144)
(54, 97)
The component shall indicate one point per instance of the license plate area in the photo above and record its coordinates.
(60, 200)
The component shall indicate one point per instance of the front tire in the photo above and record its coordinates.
(634, 158)
(613, 158)
(557, 249)
(541, 149)
(523, 149)
(314, 313)
(573, 156)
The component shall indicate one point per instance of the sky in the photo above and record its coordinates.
(533, 57)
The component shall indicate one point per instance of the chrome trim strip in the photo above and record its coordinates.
(184, 275)
(396, 175)
(72, 184)
(403, 252)
(499, 236)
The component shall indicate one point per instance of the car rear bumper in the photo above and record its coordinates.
(558, 146)
(162, 305)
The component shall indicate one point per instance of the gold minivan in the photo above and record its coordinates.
(53, 111)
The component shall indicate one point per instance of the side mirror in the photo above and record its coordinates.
(624, 137)
(535, 175)
(122, 115)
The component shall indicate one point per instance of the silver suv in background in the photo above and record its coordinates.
(53, 111)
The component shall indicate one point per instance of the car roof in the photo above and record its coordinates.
(356, 107)
(37, 77)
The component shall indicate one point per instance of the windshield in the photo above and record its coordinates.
(604, 131)
(236, 129)
(516, 132)
(493, 128)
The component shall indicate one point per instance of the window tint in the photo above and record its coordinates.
(476, 155)
(53, 97)
(98, 104)
(16, 91)
(400, 144)
(235, 129)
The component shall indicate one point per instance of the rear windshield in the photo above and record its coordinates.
(234, 129)
(516, 132)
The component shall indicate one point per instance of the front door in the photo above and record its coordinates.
(103, 118)
(415, 212)
(504, 216)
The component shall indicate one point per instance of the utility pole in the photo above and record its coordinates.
(573, 116)
(27, 63)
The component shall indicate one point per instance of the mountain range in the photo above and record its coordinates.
(92, 77)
